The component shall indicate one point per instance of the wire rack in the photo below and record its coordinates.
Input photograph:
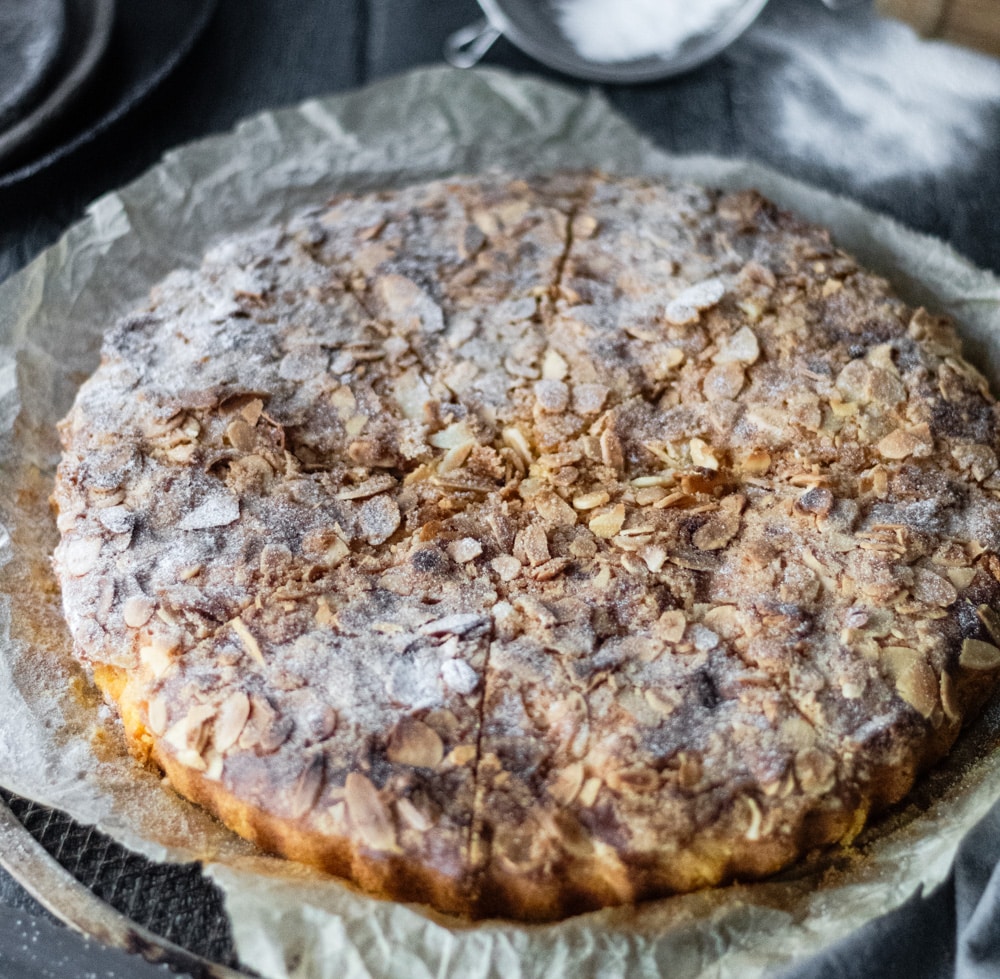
(167, 912)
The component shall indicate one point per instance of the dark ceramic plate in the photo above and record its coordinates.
(31, 40)
(88, 32)
(147, 40)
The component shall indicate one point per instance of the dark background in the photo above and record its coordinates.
(173, 73)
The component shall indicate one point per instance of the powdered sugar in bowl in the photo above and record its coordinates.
(623, 41)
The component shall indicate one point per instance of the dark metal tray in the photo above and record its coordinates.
(168, 913)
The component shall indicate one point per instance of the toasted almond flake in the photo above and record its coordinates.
(459, 676)
(461, 755)
(514, 439)
(460, 624)
(552, 396)
(654, 480)
(672, 499)
(344, 401)
(157, 655)
(756, 819)
(741, 348)
(961, 578)
(356, 425)
(464, 550)
(80, 556)
(949, 698)
(565, 787)
(370, 487)
(182, 453)
(506, 566)
(368, 812)
(589, 501)
(991, 619)
(412, 816)
(933, 589)
(137, 611)
(379, 519)
(637, 531)
(554, 510)
(671, 625)
(230, 721)
(248, 639)
(919, 687)
(589, 792)
(609, 522)
(612, 451)
(654, 557)
(684, 308)
(458, 433)
(156, 716)
(416, 744)
(531, 545)
(549, 569)
(702, 455)
(240, 435)
(554, 366)
(979, 655)
(588, 399)
(724, 382)
(252, 411)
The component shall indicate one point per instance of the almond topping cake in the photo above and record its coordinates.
(528, 546)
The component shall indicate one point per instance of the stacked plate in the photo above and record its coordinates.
(50, 52)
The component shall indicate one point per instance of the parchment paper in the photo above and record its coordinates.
(60, 747)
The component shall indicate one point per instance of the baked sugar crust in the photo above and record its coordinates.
(528, 546)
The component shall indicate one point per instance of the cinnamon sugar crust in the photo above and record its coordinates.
(523, 547)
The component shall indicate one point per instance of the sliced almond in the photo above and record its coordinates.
(590, 501)
(919, 687)
(554, 366)
(589, 792)
(979, 655)
(608, 523)
(991, 619)
(702, 454)
(307, 787)
(612, 451)
(464, 550)
(671, 625)
(80, 556)
(248, 639)
(368, 813)
(137, 611)
(412, 816)
(230, 720)
(565, 787)
(156, 716)
(414, 743)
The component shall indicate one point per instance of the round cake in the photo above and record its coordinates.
(529, 546)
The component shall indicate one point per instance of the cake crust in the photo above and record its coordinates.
(528, 546)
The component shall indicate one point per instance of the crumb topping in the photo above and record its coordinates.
(574, 536)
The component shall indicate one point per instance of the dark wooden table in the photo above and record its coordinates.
(791, 94)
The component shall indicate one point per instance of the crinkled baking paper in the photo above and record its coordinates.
(58, 745)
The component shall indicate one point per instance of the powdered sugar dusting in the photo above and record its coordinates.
(216, 511)
(629, 29)
(870, 98)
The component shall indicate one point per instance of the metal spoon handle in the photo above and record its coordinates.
(466, 46)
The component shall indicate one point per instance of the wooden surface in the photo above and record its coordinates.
(974, 23)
